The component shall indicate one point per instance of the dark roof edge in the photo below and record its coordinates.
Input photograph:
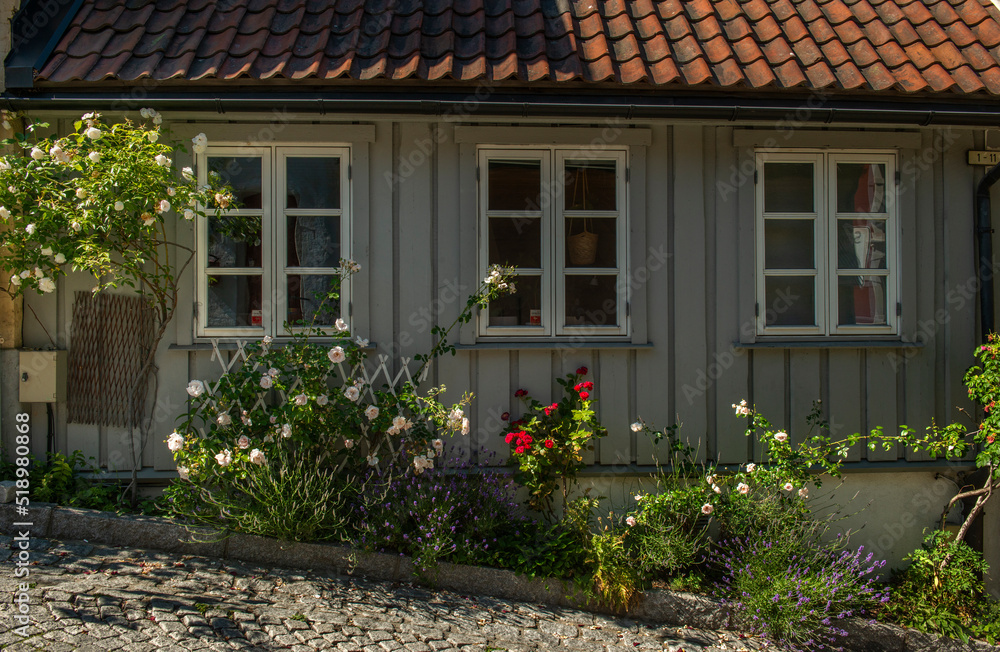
(456, 106)
(35, 30)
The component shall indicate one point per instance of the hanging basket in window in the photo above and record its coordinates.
(581, 247)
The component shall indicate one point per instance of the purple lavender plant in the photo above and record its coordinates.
(796, 595)
(455, 512)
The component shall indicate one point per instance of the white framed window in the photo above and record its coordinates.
(560, 216)
(298, 199)
(827, 240)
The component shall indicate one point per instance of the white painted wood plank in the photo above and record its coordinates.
(769, 390)
(492, 391)
(845, 409)
(804, 385)
(881, 401)
(614, 405)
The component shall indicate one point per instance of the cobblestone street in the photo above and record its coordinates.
(86, 597)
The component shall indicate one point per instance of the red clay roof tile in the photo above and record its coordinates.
(875, 45)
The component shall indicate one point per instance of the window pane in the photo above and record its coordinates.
(516, 241)
(789, 301)
(242, 174)
(788, 244)
(591, 242)
(515, 185)
(860, 187)
(234, 301)
(590, 186)
(591, 301)
(306, 305)
(522, 308)
(788, 187)
(313, 182)
(862, 300)
(861, 244)
(313, 241)
(231, 246)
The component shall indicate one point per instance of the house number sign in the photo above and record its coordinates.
(984, 157)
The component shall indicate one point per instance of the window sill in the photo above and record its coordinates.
(553, 345)
(828, 344)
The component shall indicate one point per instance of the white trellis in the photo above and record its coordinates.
(372, 378)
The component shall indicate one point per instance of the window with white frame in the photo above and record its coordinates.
(559, 216)
(827, 243)
(255, 283)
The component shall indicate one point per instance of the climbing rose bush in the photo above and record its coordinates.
(97, 200)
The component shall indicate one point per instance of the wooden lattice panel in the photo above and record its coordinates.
(109, 338)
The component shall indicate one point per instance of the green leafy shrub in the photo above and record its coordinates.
(947, 600)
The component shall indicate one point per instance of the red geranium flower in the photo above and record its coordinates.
(526, 439)
(582, 371)
(584, 395)
(587, 385)
(548, 410)
(519, 450)
(549, 443)
(505, 416)
(521, 392)
(509, 438)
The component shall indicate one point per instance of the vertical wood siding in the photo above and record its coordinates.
(697, 206)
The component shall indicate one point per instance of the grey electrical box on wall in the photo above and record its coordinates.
(43, 377)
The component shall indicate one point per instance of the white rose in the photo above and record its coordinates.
(153, 136)
(183, 472)
(803, 492)
(322, 400)
(257, 456)
(119, 206)
(25, 273)
(200, 143)
(361, 342)
(4, 213)
(60, 259)
(637, 426)
(371, 412)
(171, 192)
(143, 112)
(94, 156)
(46, 285)
(195, 388)
(781, 436)
(187, 173)
(301, 399)
(188, 214)
(224, 419)
(175, 442)
(37, 154)
(46, 251)
(352, 393)
(162, 160)
(164, 206)
(438, 445)
(4, 165)
(630, 521)
(743, 488)
(399, 422)
(265, 382)
(30, 229)
(340, 325)
(224, 458)
(157, 119)
(465, 426)
(751, 467)
(81, 193)
(788, 486)
(336, 355)
(286, 430)
(15, 279)
(372, 460)
(348, 444)
(707, 508)
(243, 442)
(75, 226)
(94, 133)
(39, 273)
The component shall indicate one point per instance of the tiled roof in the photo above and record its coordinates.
(853, 45)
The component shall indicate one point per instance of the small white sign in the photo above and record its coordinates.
(984, 157)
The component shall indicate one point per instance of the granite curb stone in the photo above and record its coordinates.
(686, 610)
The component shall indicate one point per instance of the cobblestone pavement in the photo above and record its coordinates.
(86, 597)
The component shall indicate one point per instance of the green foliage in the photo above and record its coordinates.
(947, 600)
(287, 498)
(543, 549)
(668, 537)
(548, 441)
